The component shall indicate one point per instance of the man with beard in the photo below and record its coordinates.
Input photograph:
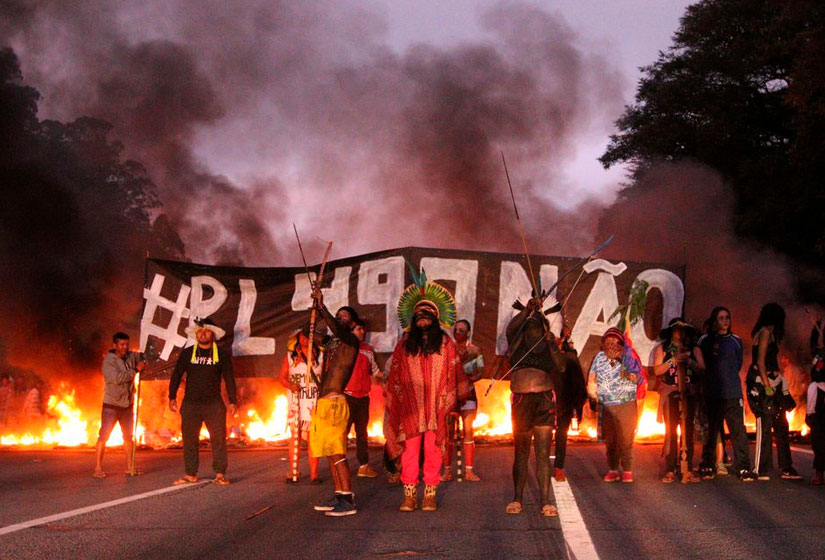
(536, 358)
(327, 430)
(426, 381)
(204, 365)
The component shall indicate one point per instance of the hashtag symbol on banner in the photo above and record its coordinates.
(169, 334)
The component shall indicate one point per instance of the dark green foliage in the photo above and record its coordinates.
(742, 90)
(75, 226)
(634, 309)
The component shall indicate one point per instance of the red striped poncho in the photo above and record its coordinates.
(421, 392)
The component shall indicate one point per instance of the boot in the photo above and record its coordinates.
(410, 498)
(429, 503)
(469, 456)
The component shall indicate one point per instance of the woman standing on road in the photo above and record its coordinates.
(613, 379)
(768, 394)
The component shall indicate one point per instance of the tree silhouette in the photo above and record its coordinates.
(741, 90)
(75, 227)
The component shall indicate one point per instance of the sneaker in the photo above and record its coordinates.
(721, 469)
(366, 471)
(790, 474)
(627, 476)
(330, 505)
(669, 477)
(611, 476)
(746, 476)
(345, 506)
(707, 473)
(763, 476)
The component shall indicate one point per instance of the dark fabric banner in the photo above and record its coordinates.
(260, 307)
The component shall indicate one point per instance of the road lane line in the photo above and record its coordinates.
(801, 450)
(66, 514)
(575, 532)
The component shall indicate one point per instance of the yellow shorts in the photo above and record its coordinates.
(328, 429)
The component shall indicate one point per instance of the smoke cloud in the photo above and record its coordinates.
(249, 115)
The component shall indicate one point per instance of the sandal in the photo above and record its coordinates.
(99, 474)
(513, 508)
(185, 480)
(221, 480)
(549, 511)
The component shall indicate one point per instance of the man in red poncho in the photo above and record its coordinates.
(426, 381)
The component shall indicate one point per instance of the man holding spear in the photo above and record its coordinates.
(327, 431)
(537, 360)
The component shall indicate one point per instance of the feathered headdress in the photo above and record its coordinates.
(518, 306)
(430, 295)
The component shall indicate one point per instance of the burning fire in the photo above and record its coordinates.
(68, 424)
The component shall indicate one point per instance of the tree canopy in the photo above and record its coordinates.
(75, 225)
(741, 90)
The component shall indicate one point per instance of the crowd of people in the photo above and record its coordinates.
(23, 402)
(430, 400)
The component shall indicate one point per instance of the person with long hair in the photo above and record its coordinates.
(815, 409)
(722, 352)
(768, 394)
(678, 356)
(425, 383)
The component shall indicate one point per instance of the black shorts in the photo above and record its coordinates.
(533, 409)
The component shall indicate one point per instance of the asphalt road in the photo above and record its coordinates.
(724, 518)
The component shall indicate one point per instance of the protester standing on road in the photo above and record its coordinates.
(473, 364)
(120, 366)
(295, 377)
(536, 360)
(815, 412)
(358, 397)
(722, 352)
(204, 365)
(768, 394)
(327, 431)
(425, 383)
(614, 377)
(678, 350)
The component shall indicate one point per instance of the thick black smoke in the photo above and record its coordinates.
(328, 125)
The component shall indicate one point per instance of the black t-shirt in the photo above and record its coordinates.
(203, 375)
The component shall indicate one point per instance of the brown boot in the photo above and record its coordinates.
(410, 498)
(429, 503)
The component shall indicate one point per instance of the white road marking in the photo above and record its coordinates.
(66, 514)
(801, 450)
(579, 544)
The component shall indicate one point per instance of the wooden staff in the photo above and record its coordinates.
(295, 405)
(682, 387)
(521, 229)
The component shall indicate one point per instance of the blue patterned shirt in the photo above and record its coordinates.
(611, 387)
